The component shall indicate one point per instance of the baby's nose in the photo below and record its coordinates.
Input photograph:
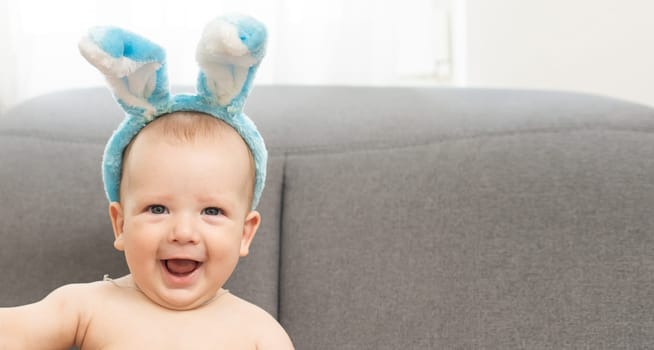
(183, 230)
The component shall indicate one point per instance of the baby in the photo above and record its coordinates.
(183, 176)
(183, 220)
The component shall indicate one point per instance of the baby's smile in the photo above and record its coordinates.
(181, 267)
(180, 273)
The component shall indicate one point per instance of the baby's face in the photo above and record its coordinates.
(184, 217)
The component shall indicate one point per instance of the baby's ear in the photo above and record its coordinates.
(229, 53)
(250, 226)
(117, 222)
(135, 68)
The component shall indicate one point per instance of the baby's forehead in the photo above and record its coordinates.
(189, 128)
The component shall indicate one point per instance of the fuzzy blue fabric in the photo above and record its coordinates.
(228, 54)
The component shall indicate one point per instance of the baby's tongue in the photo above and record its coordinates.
(181, 266)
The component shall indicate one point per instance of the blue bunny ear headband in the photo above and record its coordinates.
(228, 54)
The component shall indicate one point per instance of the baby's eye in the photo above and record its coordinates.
(212, 211)
(157, 209)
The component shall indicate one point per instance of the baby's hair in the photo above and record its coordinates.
(187, 127)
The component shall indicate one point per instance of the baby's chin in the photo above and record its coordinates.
(181, 300)
(178, 303)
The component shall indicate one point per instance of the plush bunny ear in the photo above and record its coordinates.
(134, 67)
(229, 53)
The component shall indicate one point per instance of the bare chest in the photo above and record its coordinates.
(141, 328)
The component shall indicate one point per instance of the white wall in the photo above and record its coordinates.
(6, 93)
(596, 46)
(362, 42)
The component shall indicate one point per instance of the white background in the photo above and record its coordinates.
(596, 46)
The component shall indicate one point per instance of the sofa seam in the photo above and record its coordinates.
(282, 198)
(379, 146)
(82, 141)
(366, 146)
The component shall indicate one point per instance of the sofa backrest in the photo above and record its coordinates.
(393, 218)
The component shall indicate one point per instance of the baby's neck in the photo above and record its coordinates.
(127, 282)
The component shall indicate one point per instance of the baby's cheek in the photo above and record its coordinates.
(224, 246)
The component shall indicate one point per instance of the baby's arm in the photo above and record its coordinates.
(51, 323)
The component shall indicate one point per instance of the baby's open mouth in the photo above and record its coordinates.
(180, 267)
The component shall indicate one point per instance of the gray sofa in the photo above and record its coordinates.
(393, 218)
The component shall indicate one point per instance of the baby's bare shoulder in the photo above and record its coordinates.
(77, 291)
(269, 333)
(55, 320)
(243, 310)
(79, 296)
